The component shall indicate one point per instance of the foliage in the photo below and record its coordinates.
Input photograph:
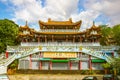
(113, 31)
(116, 63)
(116, 31)
(14, 65)
(105, 31)
(8, 34)
(106, 65)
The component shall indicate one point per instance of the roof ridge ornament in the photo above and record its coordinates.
(70, 19)
(49, 19)
(93, 23)
(26, 23)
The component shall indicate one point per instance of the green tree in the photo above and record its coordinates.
(8, 34)
(106, 67)
(105, 31)
(116, 31)
(116, 65)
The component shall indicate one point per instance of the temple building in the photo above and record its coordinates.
(61, 45)
(56, 31)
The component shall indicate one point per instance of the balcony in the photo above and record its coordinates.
(59, 30)
(62, 46)
(58, 44)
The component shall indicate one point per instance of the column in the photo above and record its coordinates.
(50, 65)
(53, 27)
(112, 54)
(80, 66)
(90, 63)
(73, 38)
(23, 40)
(26, 40)
(30, 66)
(52, 38)
(40, 63)
(96, 40)
(6, 54)
(38, 39)
(70, 65)
(45, 38)
(80, 39)
(93, 40)
(66, 38)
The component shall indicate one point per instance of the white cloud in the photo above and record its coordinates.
(87, 18)
(33, 10)
(109, 8)
(29, 10)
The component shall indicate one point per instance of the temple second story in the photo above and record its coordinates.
(60, 24)
(60, 31)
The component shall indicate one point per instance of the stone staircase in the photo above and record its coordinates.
(98, 54)
(4, 63)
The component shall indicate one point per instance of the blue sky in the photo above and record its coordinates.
(100, 11)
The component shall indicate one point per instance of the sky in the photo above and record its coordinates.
(106, 12)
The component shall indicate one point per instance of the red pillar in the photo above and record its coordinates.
(70, 65)
(80, 56)
(38, 39)
(90, 64)
(80, 65)
(30, 66)
(40, 63)
(6, 54)
(112, 54)
(50, 65)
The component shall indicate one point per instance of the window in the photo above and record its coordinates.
(26, 32)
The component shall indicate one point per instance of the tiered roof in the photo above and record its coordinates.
(26, 27)
(57, 24)
(94, 28)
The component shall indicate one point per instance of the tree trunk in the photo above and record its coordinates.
(115, 72)
(105, 71)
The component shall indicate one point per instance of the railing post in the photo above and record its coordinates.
(30, 66)
(6, 54)
(90, 63)
(40, 63)
(70, 65)
(50, 65)
(80, 56)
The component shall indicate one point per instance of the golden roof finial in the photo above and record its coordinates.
(26, 23)
(93, 22)
(70, 19)
(49, 19)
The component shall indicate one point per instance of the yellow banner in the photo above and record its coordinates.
(59, 55)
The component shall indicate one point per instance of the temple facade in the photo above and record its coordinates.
(60, 45)
(56, 31)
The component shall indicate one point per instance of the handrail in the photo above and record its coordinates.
(31, 51)
(2, 55)
(3, 62)
(20, 49)
(98, 54)
(59, 30)
(59, 44)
